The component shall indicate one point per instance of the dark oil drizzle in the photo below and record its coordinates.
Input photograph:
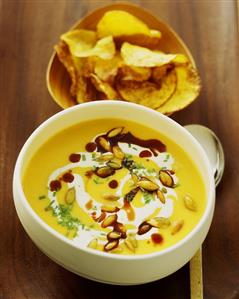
(157, 238)
(68, 177)
(145, 154)
(154, 145)
(74, 158)
(90, 147)
(55, 185)
(113, 184)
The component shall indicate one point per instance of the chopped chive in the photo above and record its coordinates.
(83, 157)
(42, 197)
(93, 155)
(129, 145)
(148, 197)
(134, 148)
(49, 207)
(96, 181)
(151, 170)
(164, 190)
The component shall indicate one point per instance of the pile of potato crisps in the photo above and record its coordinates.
(121, 60)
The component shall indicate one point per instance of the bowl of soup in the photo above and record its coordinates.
(114, 192)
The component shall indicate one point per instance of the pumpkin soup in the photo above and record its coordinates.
(115, 186)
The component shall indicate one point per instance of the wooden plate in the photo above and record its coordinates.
(58, 80)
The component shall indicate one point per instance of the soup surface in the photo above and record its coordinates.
(115, 186)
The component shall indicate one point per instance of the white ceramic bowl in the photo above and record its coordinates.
(101, 266)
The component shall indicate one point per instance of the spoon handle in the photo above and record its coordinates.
(196, 279)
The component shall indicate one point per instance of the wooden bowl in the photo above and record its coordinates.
(58, 80)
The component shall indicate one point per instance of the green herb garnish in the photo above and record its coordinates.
(93, 155)
(166, 158)
(97, 181)
(83, 157)
(148, 197)
(42, 197)
(128, 156)
(151, 170)
(49, 207)
(129, 145)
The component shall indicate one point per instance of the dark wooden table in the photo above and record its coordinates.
(28, 30)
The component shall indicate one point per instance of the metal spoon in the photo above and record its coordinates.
(214, 151)
(213, 148)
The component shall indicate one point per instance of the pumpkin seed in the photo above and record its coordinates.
(105, 157)
(109, 209)
(109, 221)
(144, 228)
(147, 185)
(159, 222)
(189, 203)
(132, 239)
(119, 227)
(161, 196)
(118, 153)
(111, 245)
(112, 197)
(166, 178)
(114, 235)
(104, 171)
(177, 226)
(115, 131)
(129, 245)
(134, 178)
(114, 165)
(93, 243)
(104, 143)
(70, 195)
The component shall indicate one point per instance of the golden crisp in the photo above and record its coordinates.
(143, 57)
(147, 93)
(105, 70)
(66, 59)
(133, 73)
(79, 40)
(188, 88)
(159, 72)
(85, 90)
(104, 87)
(83, 43)
(125, 27)
(118, 22)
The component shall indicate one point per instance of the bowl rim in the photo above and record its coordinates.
(17, 182)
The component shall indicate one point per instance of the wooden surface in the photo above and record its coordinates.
(28, 30)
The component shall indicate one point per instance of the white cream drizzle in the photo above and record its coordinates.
(84, 236)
